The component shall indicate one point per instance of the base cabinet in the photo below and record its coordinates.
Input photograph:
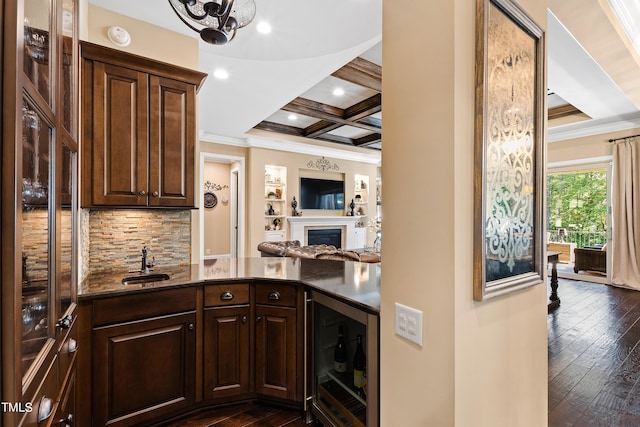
(158, 353)
(227, 358)
(253, 348)
(276, 368)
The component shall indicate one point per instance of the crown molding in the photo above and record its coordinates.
(593, 127)
(294, 147)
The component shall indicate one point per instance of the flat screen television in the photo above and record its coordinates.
(316, 193)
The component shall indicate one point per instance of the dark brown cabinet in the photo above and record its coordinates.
(38, 218)
(278, 340)
(143, 356)
(139, 130)
(253, 341)
(227, 352)
(228, 335)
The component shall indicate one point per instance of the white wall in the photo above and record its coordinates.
(482, 363)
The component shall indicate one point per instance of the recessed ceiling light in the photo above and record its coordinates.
(338, 91)
(292, 117)
(263, 27)
(221, 74)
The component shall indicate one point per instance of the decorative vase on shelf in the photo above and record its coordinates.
(352, 206)
(377, 243)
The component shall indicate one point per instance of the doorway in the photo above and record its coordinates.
(221, 213)
(579, 218)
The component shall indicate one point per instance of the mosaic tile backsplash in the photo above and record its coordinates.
(115, 238)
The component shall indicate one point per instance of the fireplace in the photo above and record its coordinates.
(299, 226)
(325, 236)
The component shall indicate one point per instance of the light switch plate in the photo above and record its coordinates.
(409, 323)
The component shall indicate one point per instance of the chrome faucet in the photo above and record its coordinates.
(146, 265)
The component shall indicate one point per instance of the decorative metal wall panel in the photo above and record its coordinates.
(509, 138)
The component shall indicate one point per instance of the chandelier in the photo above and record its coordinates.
(219, 19)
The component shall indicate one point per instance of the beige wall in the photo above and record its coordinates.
(482, 364)
(146, 40)
(295, 164)
(588, 147)
(217, 225)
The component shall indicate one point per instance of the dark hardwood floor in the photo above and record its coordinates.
(594, 356)
(249, 414)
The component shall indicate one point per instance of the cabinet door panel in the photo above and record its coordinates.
(158, 353)
(226, 348)
(120, 136)
(172, 141)
(276, 345)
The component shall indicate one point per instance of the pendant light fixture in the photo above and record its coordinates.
(219, 19)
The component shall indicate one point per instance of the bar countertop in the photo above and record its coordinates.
(354, 283)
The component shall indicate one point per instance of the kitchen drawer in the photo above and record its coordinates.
(43, 405)
(220, 295)
(143, 305)
(276, 294)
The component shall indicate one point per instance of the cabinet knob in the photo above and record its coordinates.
(64, 322)
(226, 296)
(274, 296)
(190, 326)
(259, 318)
(155, 194)
(244, 319)
(67, 421)
(45, 409)
(142, 193)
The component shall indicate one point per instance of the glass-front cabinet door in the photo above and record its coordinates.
(37, 46)
(38, 205)
(36, 280)
(66, 279)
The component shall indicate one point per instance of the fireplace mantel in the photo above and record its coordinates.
(298, 227)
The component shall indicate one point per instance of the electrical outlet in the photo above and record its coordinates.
(409, 323)
(207, 251)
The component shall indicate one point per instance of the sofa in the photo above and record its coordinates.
(292, 248)
(590, 258)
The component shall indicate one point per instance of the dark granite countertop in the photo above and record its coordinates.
(355, 283)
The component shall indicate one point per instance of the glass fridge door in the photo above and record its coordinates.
(339, 396)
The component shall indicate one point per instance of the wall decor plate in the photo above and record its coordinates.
(210, 200)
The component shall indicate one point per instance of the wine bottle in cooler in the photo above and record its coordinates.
(340, 353)
(359, 367)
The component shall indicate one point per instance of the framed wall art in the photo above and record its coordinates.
(509, 150)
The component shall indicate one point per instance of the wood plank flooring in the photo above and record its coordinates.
(245, 415)
(594, 356)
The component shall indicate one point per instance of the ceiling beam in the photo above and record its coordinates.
(318, 110)
(562, 111)
(362, 72)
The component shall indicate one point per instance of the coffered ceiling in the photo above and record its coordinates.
(592, 72)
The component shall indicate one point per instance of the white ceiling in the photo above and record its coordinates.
(591, 62)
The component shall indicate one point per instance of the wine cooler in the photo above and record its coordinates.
(339, 395)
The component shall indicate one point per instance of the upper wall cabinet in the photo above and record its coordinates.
(139, 130)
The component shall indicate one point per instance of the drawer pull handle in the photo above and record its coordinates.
(64, 322)
(155, 194)
(45, 409)
(142, 193)
(72, 346)
(274, 296)
(226, 296)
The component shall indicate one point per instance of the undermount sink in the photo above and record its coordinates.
(145, 278)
